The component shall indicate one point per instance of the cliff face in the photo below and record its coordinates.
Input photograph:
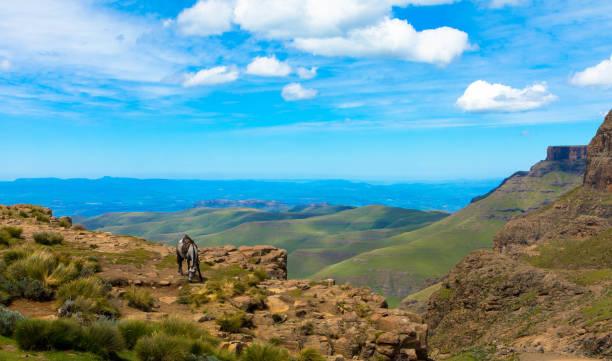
(570, 153)
(538, 292)
(599, 158)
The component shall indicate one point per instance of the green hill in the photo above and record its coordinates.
(315, 237)
(413, 257)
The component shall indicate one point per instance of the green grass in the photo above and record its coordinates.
(595, 252)
(425, 293)
(139, 298)
(484, 353)
(599, 310)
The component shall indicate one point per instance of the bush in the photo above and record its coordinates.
(104, 339)
(48, 238)
(160, 347)
(310, 354)
(134, 330)
(257, 352)
(139, 298)
(79, 227)
(66, 334)
(88, 296)
(64, 223)
(42, 218)
(232, 322)
(8, 321)
(14, 232)
(32, 334)
(260, 274)
(13, 255)
(175, 326)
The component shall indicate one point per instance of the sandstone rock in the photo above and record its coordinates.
(566, 153)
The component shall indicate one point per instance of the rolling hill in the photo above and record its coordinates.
(314, 236)
(415, 259)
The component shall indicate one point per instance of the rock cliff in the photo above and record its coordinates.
(599, 158)
(570, 153)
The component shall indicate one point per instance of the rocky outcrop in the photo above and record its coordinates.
(569, 153)
(599, 158)
(490, 298)
(271, 259)
(343, 322)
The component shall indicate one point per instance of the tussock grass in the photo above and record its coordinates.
(88, 295)
(48, 238)
(257, 352)
(139, 298)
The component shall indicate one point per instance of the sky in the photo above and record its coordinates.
(380, 90)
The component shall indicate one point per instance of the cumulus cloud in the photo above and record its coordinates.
(392, 38)
(305, 73)
(600, 74)
(482, 96)
(268, 66)
(211, 76)
(296, 91)
(209, 17)
(5, 64)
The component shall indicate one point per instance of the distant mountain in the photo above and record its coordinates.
(314, 236)
(92, 197)
(272, 206)
(415, 259)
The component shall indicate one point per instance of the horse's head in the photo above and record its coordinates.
(191, 272)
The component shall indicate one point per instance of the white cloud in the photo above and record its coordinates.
(268, 66)
(305, 73)
(392, 38)
(296, 91)
(5, 64)
(349, 105)
(84, 35)
(600, 74)
(206, 17)
(482, 96)
(212, 76)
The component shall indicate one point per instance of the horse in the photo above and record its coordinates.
(186, 249)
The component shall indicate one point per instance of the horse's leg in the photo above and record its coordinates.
(200, 272)
(179, 260)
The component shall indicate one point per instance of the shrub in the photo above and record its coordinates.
(66, 334)
(14, 232)
(256, 352)
(310, 354)
(32, 334)
(231, 322)
(175, 326)
(104, 339)
(134, 330)
(8, 321)
(42, 218)
(89, 297)
(139, 298)
(64, 222)
(13, 255)
(48, 238)
(5, 238)
(79, 227)
(159, 347)
(260, 274)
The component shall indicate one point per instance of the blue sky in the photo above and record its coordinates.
(389, 90)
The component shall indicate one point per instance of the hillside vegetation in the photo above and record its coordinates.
(415, 258)
(315, 237)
